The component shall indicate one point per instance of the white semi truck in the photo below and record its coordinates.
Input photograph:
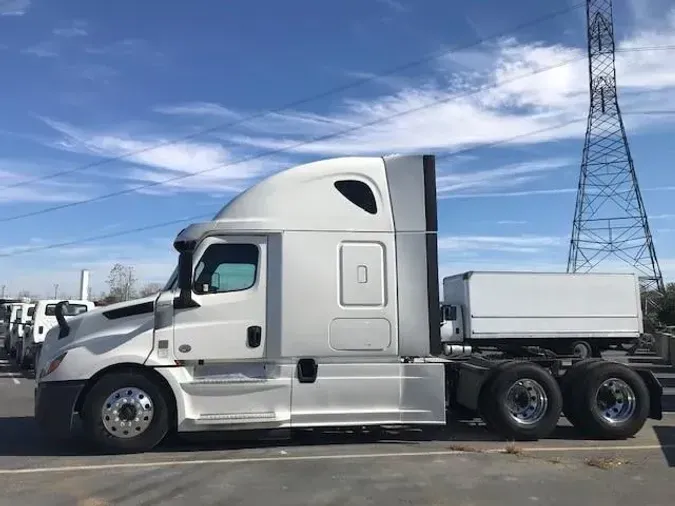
(311, 300)
(569, 314)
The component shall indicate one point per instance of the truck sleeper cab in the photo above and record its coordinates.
(310, 300)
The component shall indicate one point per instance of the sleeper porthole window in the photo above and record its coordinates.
(358, 193)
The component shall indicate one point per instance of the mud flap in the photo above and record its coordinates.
(655, 393)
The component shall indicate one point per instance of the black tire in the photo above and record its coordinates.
(93, 419)
(498, 412)
(485, 404)
(588, 350)
(569, 388)
(589, 418)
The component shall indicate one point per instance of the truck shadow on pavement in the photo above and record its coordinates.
(22, 438)
(666, 438)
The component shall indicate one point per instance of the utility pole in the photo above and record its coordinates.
(610, 220)
(56, 290)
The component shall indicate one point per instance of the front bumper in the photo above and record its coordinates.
(55, 406)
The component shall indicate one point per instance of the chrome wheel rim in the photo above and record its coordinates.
(127, 412)
(616, 401)
(526, 402)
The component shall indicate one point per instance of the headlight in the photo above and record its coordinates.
(52, 365)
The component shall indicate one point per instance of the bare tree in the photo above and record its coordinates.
(25, 294)
(122, 283)
(149, 289)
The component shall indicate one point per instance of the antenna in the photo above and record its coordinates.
(610, 220)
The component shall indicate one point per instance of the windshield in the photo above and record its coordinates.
(173, 280)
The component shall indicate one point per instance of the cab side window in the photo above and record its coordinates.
(227, 268)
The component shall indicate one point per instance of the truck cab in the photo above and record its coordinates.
(452, 324)
(254, 331)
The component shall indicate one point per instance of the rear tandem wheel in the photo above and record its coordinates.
(522, 401)
(606, 400)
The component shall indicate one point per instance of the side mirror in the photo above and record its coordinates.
(447, 313)
(64, 328)
(185, 299)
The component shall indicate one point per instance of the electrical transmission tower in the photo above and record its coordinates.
(610, 220)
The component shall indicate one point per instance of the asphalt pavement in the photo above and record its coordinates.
(461, 466)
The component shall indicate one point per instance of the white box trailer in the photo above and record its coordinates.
(311, 300)
(569, 314)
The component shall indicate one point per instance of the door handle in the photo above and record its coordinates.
(253, 336)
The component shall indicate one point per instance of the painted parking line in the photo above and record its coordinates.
(326, 457)
(14, 375)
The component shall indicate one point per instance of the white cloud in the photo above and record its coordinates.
(13, 174)
(511, 175)
(76, 28)
(198, 109)
(546, 191)
(178, 165)
(522, 193)
(527, 87)
(393, 5)
(498, 243)
(14, 7)
(130, 50)
(47, 49)
(511, 222)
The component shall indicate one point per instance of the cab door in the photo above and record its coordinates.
(230, 289)
(222, 339)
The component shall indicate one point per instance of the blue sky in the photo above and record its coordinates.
(86, 80)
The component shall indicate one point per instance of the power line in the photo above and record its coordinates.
(306, 142)
(154, 226)
(210, 215)
(101, 237)
(333, 91)
(287, 148)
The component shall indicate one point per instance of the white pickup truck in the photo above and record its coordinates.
(44, 318)
(311, 300)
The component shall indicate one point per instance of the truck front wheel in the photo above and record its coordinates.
(126, 412)
(523, 402)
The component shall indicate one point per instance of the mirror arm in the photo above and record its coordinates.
(185, 256)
